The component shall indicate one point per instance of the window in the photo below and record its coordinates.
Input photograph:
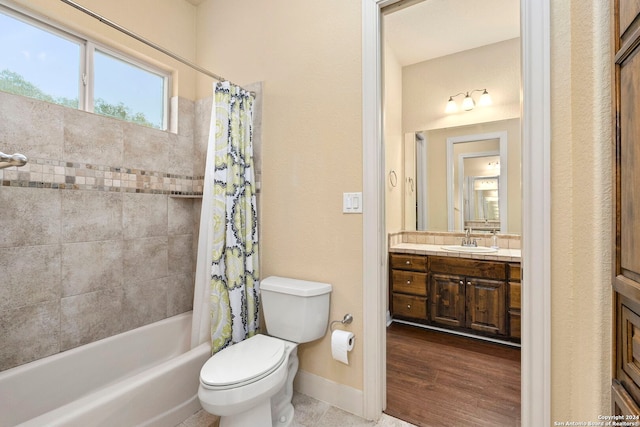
(46, 63)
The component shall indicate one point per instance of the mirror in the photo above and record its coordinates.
(468, 177)
(476, 184)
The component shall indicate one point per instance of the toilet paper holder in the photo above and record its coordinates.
(348, 318)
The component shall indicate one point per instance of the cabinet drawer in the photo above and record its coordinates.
(409, 282)
(515, 272)
(409, 262)
(515, 295)
(469, 267)
(410, 306)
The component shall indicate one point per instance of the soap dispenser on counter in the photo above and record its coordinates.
(494, 240)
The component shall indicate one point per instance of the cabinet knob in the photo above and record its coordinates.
(408, 262)
(468, 283)
(409, 306)
(408, 282)
(461, 282)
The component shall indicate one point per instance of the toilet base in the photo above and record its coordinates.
(257, 416)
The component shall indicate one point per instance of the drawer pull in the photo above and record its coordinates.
(408, 262)
(409, 306)
(408, 282)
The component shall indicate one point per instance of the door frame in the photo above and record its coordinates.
(536, 203)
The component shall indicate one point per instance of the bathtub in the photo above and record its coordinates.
(144, 377)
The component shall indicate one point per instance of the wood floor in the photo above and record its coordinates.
(436, 379)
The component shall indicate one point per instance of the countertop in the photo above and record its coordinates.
(507, 255)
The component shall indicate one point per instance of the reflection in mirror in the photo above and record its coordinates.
(481, 198)
(452, 164)
(467, 159)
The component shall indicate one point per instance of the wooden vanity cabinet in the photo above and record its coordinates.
(480, 294)
(408, 286)
(474, 296)
(515, 300)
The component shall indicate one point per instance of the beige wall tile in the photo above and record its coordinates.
(145, 259)
(90, 138)
(105, 259)
(30, 275)
(18, 133)
(29, 333)
(91, 216)
(29, 216)
(144, 215)
(89, 317)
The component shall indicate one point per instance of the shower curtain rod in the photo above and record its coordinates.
(149, 43)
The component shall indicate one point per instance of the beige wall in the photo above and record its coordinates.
(169, 23)
(427, 86)
(393, 142)
(308, 54)
(580, 210)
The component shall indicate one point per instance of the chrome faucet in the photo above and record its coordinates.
(466, 240)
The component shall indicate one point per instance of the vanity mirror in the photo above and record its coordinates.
(466, 177)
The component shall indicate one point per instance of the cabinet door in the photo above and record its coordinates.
(447, 300)
(486, 306)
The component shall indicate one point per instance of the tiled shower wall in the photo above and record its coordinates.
(92, 241)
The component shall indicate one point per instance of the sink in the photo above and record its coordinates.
(469, 249)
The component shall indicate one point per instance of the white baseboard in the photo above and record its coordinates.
(335, 394)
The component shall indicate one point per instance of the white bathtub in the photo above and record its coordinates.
(144, 377)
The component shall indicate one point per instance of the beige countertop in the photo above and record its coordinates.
(508, 255)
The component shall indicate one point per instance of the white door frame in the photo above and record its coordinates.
(536, 201)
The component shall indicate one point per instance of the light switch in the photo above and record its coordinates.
(352, 203)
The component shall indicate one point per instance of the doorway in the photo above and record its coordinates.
(536, 212)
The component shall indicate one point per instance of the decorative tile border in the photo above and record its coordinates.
(54, 174)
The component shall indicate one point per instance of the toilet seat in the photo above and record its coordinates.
(243, 363)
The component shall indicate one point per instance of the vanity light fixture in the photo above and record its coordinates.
(468, 103)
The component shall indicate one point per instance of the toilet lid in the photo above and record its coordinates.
(244, 362)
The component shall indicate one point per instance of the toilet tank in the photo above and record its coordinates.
(295, 310)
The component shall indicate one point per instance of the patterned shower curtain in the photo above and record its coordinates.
(231, 291)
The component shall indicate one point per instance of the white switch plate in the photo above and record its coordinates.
(352, 202)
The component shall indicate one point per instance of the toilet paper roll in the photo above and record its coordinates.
(341, 344)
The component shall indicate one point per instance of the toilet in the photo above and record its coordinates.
(250, 384)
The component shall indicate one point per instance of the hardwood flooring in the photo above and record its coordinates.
(436, 379)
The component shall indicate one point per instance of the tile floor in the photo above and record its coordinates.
(309, 412)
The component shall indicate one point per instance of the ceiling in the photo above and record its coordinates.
(195, 2)
(435, 28)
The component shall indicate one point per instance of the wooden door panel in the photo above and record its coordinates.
(448, 300)
(631, 344)
(630, 167)
(629, 9)
(486, 306)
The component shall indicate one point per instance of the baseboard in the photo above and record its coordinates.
(335, 394)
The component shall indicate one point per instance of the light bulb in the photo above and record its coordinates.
(451, 107)
(485, 99)
(468, 103)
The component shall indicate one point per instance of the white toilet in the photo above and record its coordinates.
(250, 384)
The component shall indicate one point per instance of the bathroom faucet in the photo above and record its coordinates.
(466, 240)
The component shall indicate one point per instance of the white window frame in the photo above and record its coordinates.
(86, 60)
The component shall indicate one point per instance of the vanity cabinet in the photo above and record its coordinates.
(473, 296)
(408, 286)
(515, 300)
(480, 293)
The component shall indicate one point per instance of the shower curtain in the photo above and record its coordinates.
(226, 295)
